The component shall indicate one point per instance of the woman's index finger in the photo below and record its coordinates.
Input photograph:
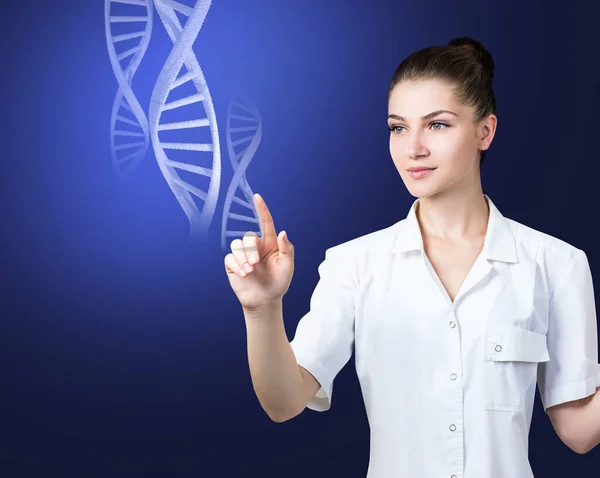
(267, 227)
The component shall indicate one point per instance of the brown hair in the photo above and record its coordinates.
(465, 63)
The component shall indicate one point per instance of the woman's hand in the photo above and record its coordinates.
(269, 261)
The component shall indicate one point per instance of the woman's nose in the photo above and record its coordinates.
(414, 145)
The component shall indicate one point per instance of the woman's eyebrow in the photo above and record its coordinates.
(426, 117)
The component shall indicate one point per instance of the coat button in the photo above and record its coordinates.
(452, 324)
(498, 348)
(452, 427)
(453, 376)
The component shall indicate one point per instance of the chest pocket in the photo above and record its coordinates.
(512, 357)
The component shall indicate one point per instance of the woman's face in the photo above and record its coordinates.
(448, 142)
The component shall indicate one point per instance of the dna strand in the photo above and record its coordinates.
(249, 123)
(180, 174)
(124, 32)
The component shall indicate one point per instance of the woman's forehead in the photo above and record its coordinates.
(406, 90)
(418, 98)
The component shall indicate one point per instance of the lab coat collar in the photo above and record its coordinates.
(499, 241)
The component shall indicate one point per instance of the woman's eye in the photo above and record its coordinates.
(394, 129)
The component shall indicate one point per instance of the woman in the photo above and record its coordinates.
(454, 313)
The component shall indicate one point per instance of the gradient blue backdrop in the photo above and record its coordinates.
(123, 347)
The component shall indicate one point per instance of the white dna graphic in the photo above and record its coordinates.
(130, 34)
(244, 114)
(184, 92)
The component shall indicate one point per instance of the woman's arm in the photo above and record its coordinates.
(577, 423)
(570, 380)
(282, 387)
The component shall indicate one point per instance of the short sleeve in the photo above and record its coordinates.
(324, 338)
(573, 371)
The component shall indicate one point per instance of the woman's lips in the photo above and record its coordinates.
(421, 173)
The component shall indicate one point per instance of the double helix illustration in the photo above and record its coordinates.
(242, 142)
(181, 69)
(127, 38)
(182, 123)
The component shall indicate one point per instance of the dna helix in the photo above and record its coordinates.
(182, 82)
(127, 43)
(247, 120)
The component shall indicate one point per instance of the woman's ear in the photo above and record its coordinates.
(487, 130)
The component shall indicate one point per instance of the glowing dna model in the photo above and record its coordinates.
(250, 124)
(182, 60)
(126, 108)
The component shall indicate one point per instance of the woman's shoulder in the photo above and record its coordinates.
(542, 245)
(379, 240)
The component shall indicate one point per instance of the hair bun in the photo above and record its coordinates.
(483, 55)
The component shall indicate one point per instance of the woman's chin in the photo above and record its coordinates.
(421, 190)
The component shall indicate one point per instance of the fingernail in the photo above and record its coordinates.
(248, 267)
(285, 238)
(253, 258)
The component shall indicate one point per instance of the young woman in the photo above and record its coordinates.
(454, 313)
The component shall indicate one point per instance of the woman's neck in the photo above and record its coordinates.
(453, 216)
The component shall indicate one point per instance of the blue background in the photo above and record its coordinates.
(122, 346)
